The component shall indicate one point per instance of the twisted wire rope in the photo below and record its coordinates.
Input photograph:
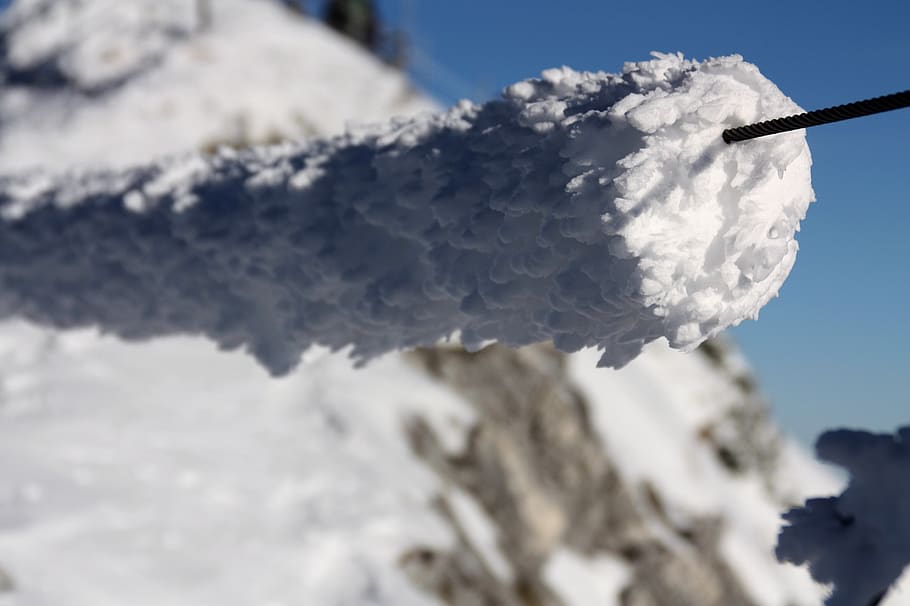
(827, 115)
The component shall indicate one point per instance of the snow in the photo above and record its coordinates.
(580, 581)
(858, 541)
(62, 39)
(481, 532)
(122, 483)
(142, 54)
(590, 209)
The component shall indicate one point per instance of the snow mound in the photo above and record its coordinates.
(590, 209)
(858, 541)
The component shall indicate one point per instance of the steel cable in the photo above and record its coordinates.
(827, 115)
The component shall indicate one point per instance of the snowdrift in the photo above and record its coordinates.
(590, 209)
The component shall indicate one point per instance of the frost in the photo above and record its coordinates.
(858, 541)
(590, 209)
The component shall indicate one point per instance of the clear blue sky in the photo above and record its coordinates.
(834, 349)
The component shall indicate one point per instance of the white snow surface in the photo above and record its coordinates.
(858, 541)
(594, 580)
(126, 480)
(590, 209)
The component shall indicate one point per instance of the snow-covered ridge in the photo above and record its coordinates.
(590, 209)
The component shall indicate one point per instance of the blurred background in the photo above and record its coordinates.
(169, 472)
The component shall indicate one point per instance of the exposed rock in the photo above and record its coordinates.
(745, 438)
(540, 473)
(6, 582)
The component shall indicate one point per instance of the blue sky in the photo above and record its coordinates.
(834, 349)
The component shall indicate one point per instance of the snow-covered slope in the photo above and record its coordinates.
(102, 82)
(170, 473)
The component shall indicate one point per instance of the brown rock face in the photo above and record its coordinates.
(6, 582)
(535, 466)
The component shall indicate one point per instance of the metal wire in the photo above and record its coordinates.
(837, 113)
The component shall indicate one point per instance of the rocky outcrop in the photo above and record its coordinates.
(535, 466)
(6, 582)
(746, 438)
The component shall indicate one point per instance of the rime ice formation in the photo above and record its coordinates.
(858, 541)
(590, 209)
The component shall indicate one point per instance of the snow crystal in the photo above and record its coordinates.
(590, 209)
(858, 541)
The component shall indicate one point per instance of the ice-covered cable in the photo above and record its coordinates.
(590, 209)
(858, 541)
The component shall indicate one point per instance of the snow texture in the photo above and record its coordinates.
(590, 209)
(858, 541)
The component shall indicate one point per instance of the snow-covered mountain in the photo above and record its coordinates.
(105, 82)
(168, 472)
